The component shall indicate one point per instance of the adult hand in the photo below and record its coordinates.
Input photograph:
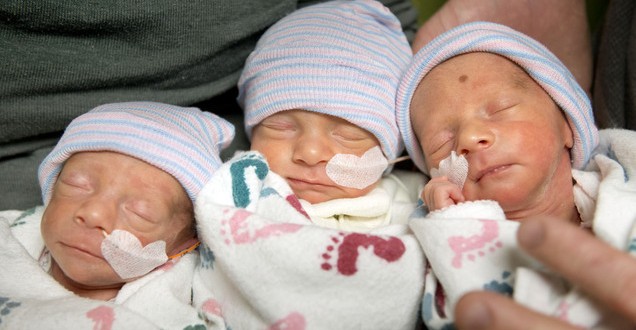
(561, 26)
(598, 269)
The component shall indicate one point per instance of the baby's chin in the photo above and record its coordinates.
(315, 197)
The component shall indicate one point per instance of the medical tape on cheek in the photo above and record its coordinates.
(357, 172)
(125, 254)
(454, 167)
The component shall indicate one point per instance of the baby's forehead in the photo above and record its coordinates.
(309, 113)
(492, 62)
(476, 67)
(105, 157)
(313, 118)
(94, 162)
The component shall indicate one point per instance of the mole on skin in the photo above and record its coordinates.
(463, 78)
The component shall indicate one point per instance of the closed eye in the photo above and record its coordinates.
(140, 217)
(279, 121)
(72, 185)
(278, 125)
(503, 110)
(353, 137)
(440, 146)
(501, 105)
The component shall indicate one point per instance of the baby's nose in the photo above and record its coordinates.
(474, 136)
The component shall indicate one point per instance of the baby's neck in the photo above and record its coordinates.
(564, 209)
(554, 200)
(97, 293)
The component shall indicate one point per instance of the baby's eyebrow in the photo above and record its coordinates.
(520, 79)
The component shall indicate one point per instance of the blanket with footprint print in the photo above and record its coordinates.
(265, 265)
(31, 299)
(471, 246)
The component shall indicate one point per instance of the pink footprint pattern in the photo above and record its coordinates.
(240, 231)
(168, 265)
(102, 316)
(390, 249)
(295, 203)
(475, 245)
(212, 307)
(563, 313)
(293, 321)
(563, 310)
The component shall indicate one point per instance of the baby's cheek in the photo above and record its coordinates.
(470, 191)
(50, 219)
(430, 161)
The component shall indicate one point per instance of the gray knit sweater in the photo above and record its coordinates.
(61, 58)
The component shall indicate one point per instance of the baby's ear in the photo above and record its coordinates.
(568, 136)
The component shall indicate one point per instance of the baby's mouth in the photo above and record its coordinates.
(493, 170)
(84, 250)
(306, 182)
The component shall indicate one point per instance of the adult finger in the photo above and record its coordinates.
(488, 310)
(597, 268)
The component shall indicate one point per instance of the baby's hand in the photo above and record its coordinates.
(439, 193)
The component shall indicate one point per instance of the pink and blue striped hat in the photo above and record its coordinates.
(340, 58)
(543, 66)
(184, 142)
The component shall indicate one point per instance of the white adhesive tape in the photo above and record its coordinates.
(357, 172)
(454, 167)
(128, 258)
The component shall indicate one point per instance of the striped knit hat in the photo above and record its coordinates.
(340, 58)
(184, 142)
(534, 58)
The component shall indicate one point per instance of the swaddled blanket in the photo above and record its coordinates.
(265, 265)
(471, 246)
(468, 246)
(31, 299)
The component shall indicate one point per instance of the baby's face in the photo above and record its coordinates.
(514, 136)
(104, 191)
(298, 144)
